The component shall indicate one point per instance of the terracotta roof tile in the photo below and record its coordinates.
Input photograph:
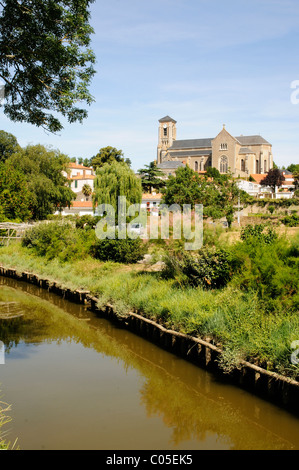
(82, 204)
(258, 178)
(81, 167)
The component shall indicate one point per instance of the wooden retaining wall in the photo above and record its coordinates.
(269, 385)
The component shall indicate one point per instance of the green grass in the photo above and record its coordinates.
(237, 319)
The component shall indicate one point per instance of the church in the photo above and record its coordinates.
(242, 156)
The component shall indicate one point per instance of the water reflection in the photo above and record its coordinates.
(174, 403)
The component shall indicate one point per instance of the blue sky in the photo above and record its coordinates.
(205, 63)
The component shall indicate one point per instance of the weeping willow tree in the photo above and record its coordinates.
(113, 180)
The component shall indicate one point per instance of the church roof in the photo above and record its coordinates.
(190, 153)
(167, 119)
(170, 164)
(252, 140)
(245, 150)
(191, 144)
(207, 143)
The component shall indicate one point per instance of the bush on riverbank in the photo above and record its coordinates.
(58, 239)
(268, 265)
(125, 251)
(209, 268)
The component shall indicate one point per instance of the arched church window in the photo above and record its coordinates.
(223, 164)
(196, 166)
(165, 131)
(242, 164)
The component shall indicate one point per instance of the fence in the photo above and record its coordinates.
(11, 231)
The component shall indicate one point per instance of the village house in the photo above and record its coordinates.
(79, 176)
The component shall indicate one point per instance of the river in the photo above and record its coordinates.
(76, 381)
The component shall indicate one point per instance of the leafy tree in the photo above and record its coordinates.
(14, 195)
(45, 60)
(218, 196)
(8, 145)
(106, 155)
(151, 177)
(113, 180)
(227, 195)
(273, 178)
(46, 184)
(293, 168)
(186, 187)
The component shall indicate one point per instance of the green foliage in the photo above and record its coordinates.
(283, 202)
(186, 187)
(87, 221)
(119, 250)
(291, 220)
(107, 155)
(46, 62)
(271, 209)
(46, 185)
(257, 234)
(209, 268)
(268, 265)
(293, 167)
(15, 201)
(87, 190)
(58, 240)
(115, 180)
(213, 173)
(151, 177)
(8, 145)
(218, 196)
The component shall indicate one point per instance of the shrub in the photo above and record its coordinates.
(291, 220)
(210, 268)
(271, 209)
(270, 269)
(87, 221)
(126, 250)
(256, 234)
(58, 239)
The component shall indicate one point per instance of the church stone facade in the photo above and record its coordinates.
(242, 155)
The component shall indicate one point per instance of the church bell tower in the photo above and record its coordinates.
(167, 134)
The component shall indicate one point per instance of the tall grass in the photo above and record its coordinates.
(4, 420)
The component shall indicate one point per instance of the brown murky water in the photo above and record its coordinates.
(75, 381)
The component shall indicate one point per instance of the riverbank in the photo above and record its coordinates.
(216, 329)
